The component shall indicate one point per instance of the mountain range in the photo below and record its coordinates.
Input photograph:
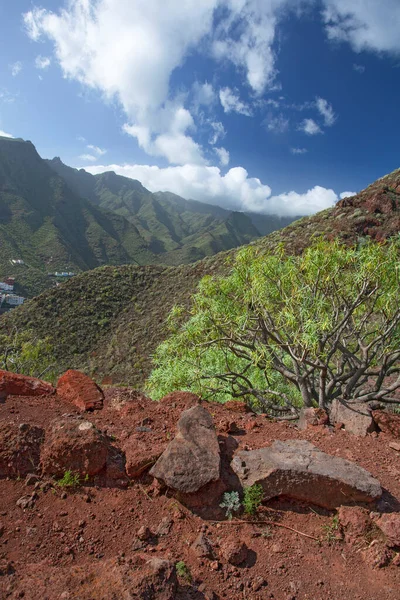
(108, 321)
(54, 217)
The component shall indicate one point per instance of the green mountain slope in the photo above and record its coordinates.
(110, 320)
(185, 230)
(48, 226)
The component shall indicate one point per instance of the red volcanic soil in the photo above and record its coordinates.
(86, 543)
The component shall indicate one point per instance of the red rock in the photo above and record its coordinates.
(19, 449)
(201, 547)
(389, 524)
(74, 444)
(395, 446)
(13, 384)
(387, 422)
(355, 523)
(78, 389)
(234, 550)
(312, 417)
(141, 455)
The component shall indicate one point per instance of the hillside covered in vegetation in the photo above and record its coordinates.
(109, 321)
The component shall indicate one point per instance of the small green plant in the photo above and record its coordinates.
(70, 479)
(183, 571)
(252, 499)
(231, 502)
(331, 530)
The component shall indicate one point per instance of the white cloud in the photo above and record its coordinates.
(231, 102)
(358, 68)
(88, 157)
(298, 150)
(234, 190)
(218, 132)
(347, 195)
(223, 156)
(365, 24)
(42, 62)
(292, 203)
(4, 134)
(16, 68)
(96, 149)
(310, 127)
(326, 111)
(278, 124)
(203, 94)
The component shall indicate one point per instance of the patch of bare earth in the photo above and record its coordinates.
(89, 542)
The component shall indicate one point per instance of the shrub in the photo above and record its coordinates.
(70, 479)
(22, 352)
(183, 571)
(286, 331)
(252, 498)
(231, 502)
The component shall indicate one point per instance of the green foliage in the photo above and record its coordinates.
(252, 498)
(22, 352)
(70, 480)
(231, 503)
(183, 571)
(283, 331)
(332, 530)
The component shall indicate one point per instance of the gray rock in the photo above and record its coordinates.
(192, 459)
(356, 417)
(299, 470)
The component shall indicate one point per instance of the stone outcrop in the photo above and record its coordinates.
(312, 417)
(19, 449)
(192, 459)
(299, 470)
(387, 422)
(13, 384)
(74, 444)
(355, 417)
(141, 455)
(81, 391)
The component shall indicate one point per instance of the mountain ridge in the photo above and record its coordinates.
(109, 321)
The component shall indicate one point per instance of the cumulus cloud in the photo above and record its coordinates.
(365, 24)
(42, 62)
(223, 156)
(235, 190)
(16, 68)
(231, 102)
(326, 111)
(4, 134)
(347, 195)
(203, 94)
(310, 127)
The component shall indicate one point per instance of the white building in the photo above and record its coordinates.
(6, 287)
(14, 300)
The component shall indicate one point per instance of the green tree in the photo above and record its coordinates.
(21, 352)
(289, 331)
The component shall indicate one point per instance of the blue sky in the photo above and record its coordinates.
(276, 106)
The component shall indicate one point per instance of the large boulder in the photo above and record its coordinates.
(81, 391)
(74, 444)
(19, 449)
(13, 384)
(299, 470)
(192, 459)
(355, 417)
(387, 422)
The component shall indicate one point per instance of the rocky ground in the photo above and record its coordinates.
(121, 533)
